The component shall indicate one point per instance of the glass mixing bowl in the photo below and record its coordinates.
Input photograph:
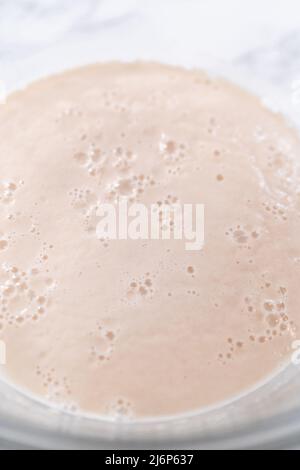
(255, 44)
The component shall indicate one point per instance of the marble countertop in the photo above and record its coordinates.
(262, 34)
(260, 38)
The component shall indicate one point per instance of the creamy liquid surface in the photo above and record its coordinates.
(145, 328)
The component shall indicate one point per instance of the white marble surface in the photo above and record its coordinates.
(262, 33)
(260, 39)
(224, 29)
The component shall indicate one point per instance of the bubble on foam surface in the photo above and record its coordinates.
(117, 180)
(3, 243)
(131, 188)
(244, 236)
(57, 390)
(172, 153)
(92, 159)
(116, 101)
(141, 288)
(279, 175)
(121, 188)
(24, 295)
(271, 312)
(276, 314)
(193, 292)
(234, 348)
(191, 270)
(98, 162)
(220, 178)
(268, 316)
(82, 199)
(91, 218)
(102, 343)
(259, 134)
(67, 110)
(166, 213)
(276, 210)
(123, 159)
(7, 192)
(120, 409)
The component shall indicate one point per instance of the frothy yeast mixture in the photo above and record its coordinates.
(145, 328)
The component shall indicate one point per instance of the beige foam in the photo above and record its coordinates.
(135, 328)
